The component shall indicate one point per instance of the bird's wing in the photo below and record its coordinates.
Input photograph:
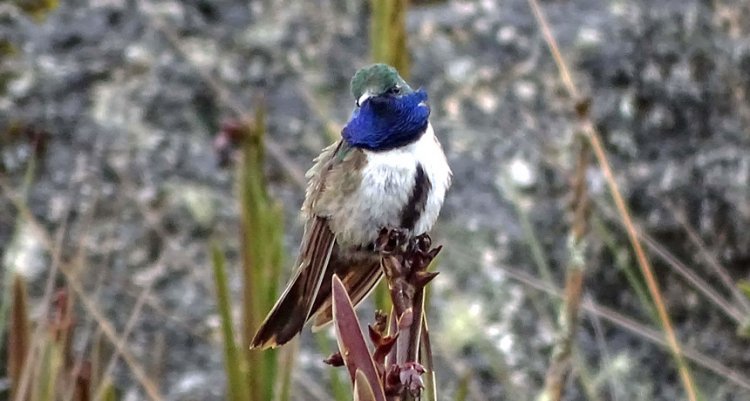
(336, 167)
(293, 308)
(289, 315)
(359, 276)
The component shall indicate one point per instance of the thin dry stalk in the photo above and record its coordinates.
(129, 325)
(635, 327)
(18, 335)
(614, 385)
(592, 135)
(698, 283)
(710, 258)
(109, 331)
(80, 371)
(425, 355)
(680, 268)
(82, 368)
(560, 362)
(53, 247)
(656, 337)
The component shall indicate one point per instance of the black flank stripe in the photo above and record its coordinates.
(418, 199)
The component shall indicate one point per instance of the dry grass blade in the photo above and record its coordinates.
(680, 268)
(710, 258)
(656, 337)
(697, 282)
(614, 385)
(560, 362)
(83, 369)
(101, 372)
(19, 335)
(425, 355)
(636, 328)
(129, 325)
(80, 367)
(54, 248)
(644, 264)
(109, 331)
(589, 130)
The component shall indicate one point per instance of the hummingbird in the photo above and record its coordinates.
(387, 171)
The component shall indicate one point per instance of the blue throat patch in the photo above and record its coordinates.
(388, 122)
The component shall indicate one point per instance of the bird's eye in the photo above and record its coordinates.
(396, 90)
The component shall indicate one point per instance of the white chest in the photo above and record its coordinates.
(388, 181)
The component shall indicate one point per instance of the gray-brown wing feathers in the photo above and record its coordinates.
(303, 297)
(289, 315)
(359, 278)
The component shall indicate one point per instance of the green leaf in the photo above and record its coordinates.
(38, 9)
(262, 256)
(233, 363)
(744, 286)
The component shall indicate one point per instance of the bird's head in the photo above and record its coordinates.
(388, 112)
(378, 80)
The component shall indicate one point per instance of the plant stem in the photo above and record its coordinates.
(560, 362)
(590, 132)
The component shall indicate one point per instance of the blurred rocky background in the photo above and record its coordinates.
(108, 110)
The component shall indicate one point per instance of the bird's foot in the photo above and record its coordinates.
(421, 243)
(412, 253)
(392, 240)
